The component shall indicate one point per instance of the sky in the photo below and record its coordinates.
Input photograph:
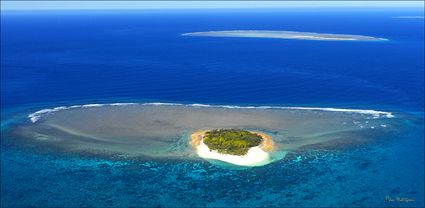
(81, 5)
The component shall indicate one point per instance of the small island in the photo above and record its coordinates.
(235, 146)
(231, 141)
(284, 35)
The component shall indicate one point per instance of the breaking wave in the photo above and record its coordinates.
(34, 117)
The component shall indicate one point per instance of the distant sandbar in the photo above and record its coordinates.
(284, 35)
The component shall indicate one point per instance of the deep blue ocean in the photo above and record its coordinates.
(53, 58)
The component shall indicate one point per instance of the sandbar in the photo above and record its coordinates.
(284, 35)
(160, 130)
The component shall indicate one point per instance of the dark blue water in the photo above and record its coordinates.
(77, 57)
(61, 56)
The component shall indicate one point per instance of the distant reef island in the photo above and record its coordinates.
(235, 146)
(284, 35)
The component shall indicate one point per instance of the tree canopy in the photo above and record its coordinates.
(231, 141)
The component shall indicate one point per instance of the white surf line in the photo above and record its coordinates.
(375, 113)
(34, 117)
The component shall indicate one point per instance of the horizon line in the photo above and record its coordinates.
(175, 5)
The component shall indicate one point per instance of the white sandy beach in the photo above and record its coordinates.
(255, 156)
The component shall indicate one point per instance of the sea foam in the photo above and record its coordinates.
(34, 117)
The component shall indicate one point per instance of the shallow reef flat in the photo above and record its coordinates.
(284, 35)
(163, 130)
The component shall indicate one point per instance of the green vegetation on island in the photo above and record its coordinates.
(231, 141)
